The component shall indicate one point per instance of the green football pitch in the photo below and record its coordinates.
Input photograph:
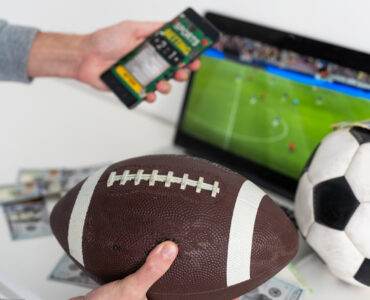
(268, 119)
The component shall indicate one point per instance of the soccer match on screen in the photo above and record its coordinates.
(270, 105)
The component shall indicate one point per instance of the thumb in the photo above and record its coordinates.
(156, 265)
(144, 29)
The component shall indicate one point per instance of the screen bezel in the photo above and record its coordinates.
(266, 177)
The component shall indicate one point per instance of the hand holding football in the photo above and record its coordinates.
(231, 236)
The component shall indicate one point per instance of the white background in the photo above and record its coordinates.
(64, 123)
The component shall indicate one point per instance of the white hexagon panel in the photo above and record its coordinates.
(303, 204)
(358, 173)
(333, 156)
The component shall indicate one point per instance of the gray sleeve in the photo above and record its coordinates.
(15, 44)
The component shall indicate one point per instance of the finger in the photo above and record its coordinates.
(144, 29)
(150, 97)
(156, 264)
(100, 85)
(195, 65)
(163, 87)
(182, 75)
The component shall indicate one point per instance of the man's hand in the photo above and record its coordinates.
(108, 45)
(86, 57)
(135, 286)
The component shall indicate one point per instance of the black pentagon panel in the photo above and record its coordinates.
(334, 203)
(362, 135)
(308, 162)
(363, 274)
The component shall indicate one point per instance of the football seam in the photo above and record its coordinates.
(354, 245)
(350, 163)
(313, 214)
(167, 179)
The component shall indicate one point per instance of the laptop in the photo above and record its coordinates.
(260, 104)
(263, 100)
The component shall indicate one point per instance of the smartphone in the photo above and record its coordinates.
(172, 47)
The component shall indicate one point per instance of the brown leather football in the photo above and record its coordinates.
(231, 236)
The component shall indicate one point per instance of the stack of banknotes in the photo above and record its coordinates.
(25, 205)
(25, 202)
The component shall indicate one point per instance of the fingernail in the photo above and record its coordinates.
(168, 251)
(166, 88)
(185, 76)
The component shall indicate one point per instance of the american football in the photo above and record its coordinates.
(231, 236)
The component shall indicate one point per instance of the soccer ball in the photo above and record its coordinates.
(332, 204)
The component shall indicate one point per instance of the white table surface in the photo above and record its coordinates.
(55, 123)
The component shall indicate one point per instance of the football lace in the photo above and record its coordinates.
(168, 179)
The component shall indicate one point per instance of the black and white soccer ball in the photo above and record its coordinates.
(332, 204)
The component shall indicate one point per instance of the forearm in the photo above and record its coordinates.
(56, 55)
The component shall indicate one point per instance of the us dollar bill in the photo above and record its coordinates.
(19, 192)
(67, 271)
(55, 174)
(31, 175)
(275, 289)
(50, 181)
(27, 219)
(56, 181)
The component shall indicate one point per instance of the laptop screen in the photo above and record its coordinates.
(271, 105)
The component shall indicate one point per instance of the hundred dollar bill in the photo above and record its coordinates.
(48, 180)
(55, 174)
(30, 175)
(56, 181)
(67, 271)
(28, 219)
(50, 188)
(19, 192)
(275, 289)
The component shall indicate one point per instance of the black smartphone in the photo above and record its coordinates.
(172, 47)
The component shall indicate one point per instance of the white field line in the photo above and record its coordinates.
(234, 110)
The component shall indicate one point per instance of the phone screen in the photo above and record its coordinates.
(146, 65)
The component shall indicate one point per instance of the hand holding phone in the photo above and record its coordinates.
(172, 47)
